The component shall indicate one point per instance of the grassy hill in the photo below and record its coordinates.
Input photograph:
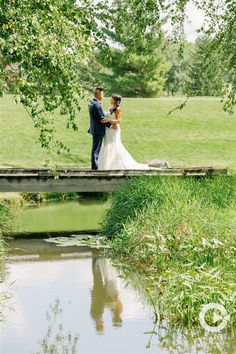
(201, 134)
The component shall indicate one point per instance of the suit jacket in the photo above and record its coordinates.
(96, 114)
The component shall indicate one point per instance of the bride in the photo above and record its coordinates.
(113, 155)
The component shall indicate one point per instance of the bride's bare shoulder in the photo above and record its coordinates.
(118, 111)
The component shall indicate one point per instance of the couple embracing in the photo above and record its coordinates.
(108, 152)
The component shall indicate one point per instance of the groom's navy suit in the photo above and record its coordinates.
(97, 129)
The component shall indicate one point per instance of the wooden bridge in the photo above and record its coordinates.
(85, 180)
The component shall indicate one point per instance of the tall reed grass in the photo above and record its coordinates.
(5, 221)
(180, 233)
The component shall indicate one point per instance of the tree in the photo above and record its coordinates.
(220, 17)
(137, 73)
(224, 47)
(46, 46)
(205, 71)
(177, 76)
(136, 62)
(45, 49)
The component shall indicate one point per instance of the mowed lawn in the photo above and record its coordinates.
(199, 135)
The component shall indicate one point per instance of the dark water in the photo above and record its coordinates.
(70, 299)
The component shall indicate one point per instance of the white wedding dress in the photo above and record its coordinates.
(113, 155)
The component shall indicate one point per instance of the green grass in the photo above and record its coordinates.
(6, 216)
(181, 235)
(201, 134)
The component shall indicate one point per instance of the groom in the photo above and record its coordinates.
(97, 129)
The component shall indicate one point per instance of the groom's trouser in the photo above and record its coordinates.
(97, 143)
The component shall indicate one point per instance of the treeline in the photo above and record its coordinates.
(154, 67)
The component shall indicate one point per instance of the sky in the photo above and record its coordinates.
(195, 20)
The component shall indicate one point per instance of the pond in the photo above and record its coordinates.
(63, 295)
(72, 297)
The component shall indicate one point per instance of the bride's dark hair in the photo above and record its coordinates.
(117, 98)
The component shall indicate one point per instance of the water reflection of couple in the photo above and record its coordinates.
(104, 293)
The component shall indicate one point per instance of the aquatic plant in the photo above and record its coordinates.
(93, 241)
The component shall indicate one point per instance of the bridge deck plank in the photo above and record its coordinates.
(85, 180)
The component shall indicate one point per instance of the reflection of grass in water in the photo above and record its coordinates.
(55, 340)
(5, 296)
